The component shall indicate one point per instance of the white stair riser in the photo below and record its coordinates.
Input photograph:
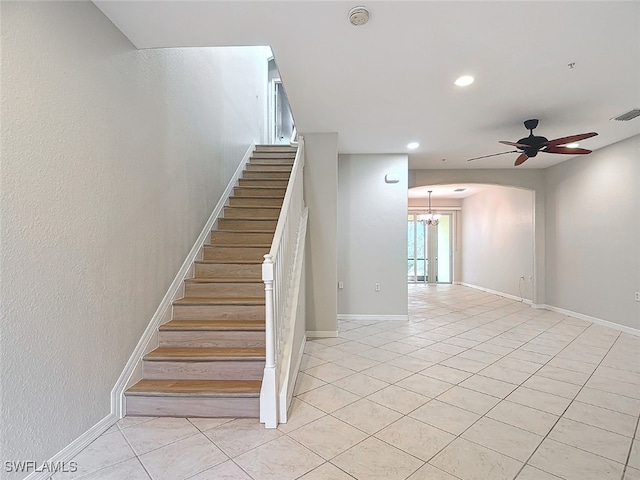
(188, 406)
(255, 225)
(266, 175)
(233, 238)
(254, 212)
(255, 201)
(198, 338)
(275, 148)
(249, 272)
(258, 192)
(224, 290)
(271, 165)
(211, 370)
(218, 312)
(262, 182)
(273, 155)
(234, 253)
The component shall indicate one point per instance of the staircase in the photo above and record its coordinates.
(211, 355)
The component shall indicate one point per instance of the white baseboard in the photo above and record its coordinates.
(495, 292)
(67, 454)
(322, 333)
(569, 313)
(597, 321)
(374, 318)
(164, 309)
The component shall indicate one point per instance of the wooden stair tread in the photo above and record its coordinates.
(195, 354)
(214, 325)
(275, 162)
(219, 301)
(250, 207)
(251, 219)
(232, 262)
(279, 167)
(231, 230)
(240, 245)
(200, 388)
(269, 146)
(255, 197)
(239, 280)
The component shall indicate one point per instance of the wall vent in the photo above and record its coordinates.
(630, 115)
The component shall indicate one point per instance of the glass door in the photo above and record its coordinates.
(443, 249)
(417, 262)
(429, 242)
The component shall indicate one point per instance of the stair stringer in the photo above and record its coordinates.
(132, 371)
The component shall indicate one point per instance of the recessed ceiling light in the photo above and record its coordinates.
(572, 145)
(413, 145)
(464, 80)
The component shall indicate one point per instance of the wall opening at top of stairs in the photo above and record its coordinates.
(281, 124)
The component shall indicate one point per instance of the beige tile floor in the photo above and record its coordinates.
(473, 387)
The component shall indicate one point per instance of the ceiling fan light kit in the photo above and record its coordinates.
(530, 146)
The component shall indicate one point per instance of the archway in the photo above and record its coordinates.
(530, 181)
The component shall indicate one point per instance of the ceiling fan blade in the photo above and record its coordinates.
(570, 139)
(514, 144)
(492, 155)
(521, 159)
(566, 150)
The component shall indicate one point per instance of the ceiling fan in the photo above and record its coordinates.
(530, 146)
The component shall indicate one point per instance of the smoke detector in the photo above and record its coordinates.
(358, 16)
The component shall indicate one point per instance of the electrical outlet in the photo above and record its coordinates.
(340, 285)
(637, 296)
(521, 277)
(530, 278)
(377, 287)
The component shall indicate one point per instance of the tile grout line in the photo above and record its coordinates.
(633, 440)
(521, 384)
(567, 408)
(472, 374)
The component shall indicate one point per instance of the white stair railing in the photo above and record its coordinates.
(280, 273)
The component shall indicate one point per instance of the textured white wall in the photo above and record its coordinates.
(497, 240)
(372, 235)
(321, 197)
(593, 234)
(112, 160)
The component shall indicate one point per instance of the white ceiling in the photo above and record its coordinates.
(390, 81)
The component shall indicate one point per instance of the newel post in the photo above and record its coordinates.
(268, 393)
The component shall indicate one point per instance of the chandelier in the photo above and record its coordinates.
(428, 219)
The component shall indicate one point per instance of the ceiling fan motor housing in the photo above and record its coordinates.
(534, 143)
